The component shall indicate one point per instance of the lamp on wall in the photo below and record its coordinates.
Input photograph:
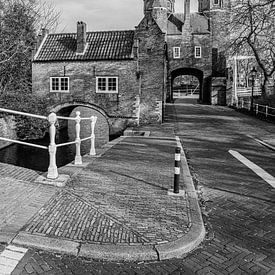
(253, 76)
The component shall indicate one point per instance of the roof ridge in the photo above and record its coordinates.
(105, 31)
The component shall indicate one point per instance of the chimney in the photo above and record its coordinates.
(81, 37)
(186, 10)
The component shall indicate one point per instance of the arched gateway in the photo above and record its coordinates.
(102, 128)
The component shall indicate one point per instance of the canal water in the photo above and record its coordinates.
(38, 159)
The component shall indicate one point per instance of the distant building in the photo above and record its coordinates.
(128, 75)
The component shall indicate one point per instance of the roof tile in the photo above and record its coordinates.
(104, 45)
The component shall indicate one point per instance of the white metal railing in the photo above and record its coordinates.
(257, 108)
(52, 148)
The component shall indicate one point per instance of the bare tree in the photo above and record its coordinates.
(252, 32)
(19, 24)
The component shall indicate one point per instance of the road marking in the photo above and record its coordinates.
(255, 168)
(10, 258)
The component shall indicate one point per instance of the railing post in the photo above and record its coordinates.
(93, 122)
(257, 109)
(266, 110)
(242, 103)
(78, 158)
(52, 170)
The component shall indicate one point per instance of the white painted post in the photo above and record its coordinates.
(242, 103)
(78, 158)
(266, 111)
(52, 170)
(93, 122)
(257, 108)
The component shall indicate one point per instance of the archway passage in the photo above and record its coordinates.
(187, 83)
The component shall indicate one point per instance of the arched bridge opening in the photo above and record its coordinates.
(188, 83)
(102, 128)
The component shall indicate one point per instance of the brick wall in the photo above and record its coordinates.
(152, 68)
(187, 45)
(101, 128)
(83, 85)
(7, 130)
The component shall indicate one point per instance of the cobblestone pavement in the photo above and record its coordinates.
(19, 199)
(119, 198)
(240, 237)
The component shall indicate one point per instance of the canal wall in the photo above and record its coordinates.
(7, 130)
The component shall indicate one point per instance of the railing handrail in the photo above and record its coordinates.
(24, 143)
(52, 119)
(264, 106)
(72, 118)
(22, 113)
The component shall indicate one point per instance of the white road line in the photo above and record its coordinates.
(255, 168)
(10, 258)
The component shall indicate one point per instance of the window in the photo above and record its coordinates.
(176, 52)
(216, 2)
(107, 84)
(59, 84)
(197, 52)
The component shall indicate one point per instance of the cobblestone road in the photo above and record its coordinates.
(240, 234)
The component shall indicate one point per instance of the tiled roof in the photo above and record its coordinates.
(102, 45)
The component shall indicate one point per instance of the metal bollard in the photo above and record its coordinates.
(177, 171)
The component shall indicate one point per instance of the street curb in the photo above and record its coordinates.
(118, 252)
(127, 252)
(43, 242)
(263, 143)
(196, 232)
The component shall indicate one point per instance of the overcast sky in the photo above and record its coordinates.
(104, 14)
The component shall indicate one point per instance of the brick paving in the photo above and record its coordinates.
(19, 199)
(119, 198)
(240, 237)
(68, 216)
(16, 172)
(224, 251)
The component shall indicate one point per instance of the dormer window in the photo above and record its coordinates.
(216, 2)
(176, 52)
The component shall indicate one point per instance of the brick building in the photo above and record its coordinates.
(126, 76)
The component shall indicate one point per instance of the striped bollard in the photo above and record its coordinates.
(177, 171)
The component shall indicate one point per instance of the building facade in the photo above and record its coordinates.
(129, 75)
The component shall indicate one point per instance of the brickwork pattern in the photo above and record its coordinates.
(68, 216)
(19, 173)
(107, 202)
(224, 250)
(19, 201)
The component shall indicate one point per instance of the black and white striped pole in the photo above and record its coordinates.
(177, 171)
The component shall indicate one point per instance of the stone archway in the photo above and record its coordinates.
(102, 128)
(203, 94)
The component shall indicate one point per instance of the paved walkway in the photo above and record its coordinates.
(20, 199)
(119, 206)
